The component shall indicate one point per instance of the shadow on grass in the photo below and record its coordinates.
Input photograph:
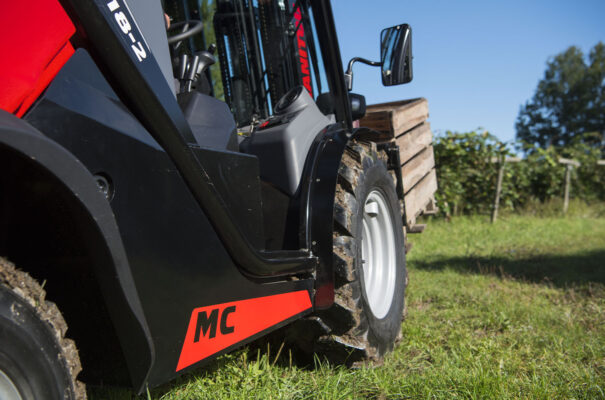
(272, 350)
(122, 393)
(269, 352)
(577, 270)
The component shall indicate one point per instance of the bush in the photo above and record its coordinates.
(467, 171)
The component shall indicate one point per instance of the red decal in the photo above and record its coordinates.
(214, 328)
(304, 65)
(324, 296)
(303, 57)
(34, 43)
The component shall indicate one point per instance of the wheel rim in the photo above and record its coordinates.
(8, 390)
(378, 254)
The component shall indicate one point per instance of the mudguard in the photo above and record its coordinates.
(322, 175)
(116, 280)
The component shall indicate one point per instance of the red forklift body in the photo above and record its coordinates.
(34, 43)
(159, 228)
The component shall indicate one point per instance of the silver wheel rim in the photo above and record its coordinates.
(378, 254)
(8, 390)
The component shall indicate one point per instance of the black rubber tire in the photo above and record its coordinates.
(349, 333)
(34, 353)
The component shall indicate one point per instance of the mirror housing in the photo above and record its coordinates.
(396, 55)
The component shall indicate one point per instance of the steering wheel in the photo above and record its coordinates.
(186, 30)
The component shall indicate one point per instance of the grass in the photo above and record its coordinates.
(510, 310)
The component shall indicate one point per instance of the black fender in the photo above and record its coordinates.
(320, 188)
(115, 280)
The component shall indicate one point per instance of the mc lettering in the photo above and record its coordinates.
(207, 324)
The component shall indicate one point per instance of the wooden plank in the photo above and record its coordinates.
(496, 160)
(418, 228)
(416, 168)
(412, 142)
(373, 136)
(567, 161)
(431, 208)
(410, 116)
(418, 198)
(392, 104)
(397, 117)
(379, 121)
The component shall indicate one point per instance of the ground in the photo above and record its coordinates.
(510, 310)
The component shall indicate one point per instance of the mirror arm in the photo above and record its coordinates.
(349, 72)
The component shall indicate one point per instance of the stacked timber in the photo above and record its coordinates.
(405, 123)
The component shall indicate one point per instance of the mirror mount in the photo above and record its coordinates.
(349, 72)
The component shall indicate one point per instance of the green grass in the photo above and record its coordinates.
(510, 310)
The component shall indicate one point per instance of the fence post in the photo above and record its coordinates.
(566, 196)
(501, 161)
(568, 166)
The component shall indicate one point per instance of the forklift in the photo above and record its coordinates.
(169, 194)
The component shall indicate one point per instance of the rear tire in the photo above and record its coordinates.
(369, 263)
(36, 360)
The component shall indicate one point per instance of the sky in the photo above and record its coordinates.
(476, 62)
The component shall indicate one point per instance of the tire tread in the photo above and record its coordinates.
(341, 334)
(34, 294)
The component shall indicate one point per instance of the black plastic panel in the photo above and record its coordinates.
(211, 121)
(176, 257)
(282, 143)
(114, 277)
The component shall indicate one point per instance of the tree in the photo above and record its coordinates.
(569, 101)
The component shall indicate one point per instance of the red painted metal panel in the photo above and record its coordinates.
(214, 328)
(34, 44)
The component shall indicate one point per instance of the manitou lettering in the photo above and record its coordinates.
(208, 323)
(303, 56)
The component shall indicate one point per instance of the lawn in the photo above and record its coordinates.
(510, 310)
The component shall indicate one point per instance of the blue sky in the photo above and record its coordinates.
(475, 61)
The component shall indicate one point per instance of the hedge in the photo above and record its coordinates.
(467, 173)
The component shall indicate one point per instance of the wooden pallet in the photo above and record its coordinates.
(404, 122)
(395, 118)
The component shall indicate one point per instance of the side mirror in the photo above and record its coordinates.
(396, 55)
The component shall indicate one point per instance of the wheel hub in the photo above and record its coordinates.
(8, 390)
(378, 254)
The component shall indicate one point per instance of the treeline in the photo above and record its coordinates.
(467, 172)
